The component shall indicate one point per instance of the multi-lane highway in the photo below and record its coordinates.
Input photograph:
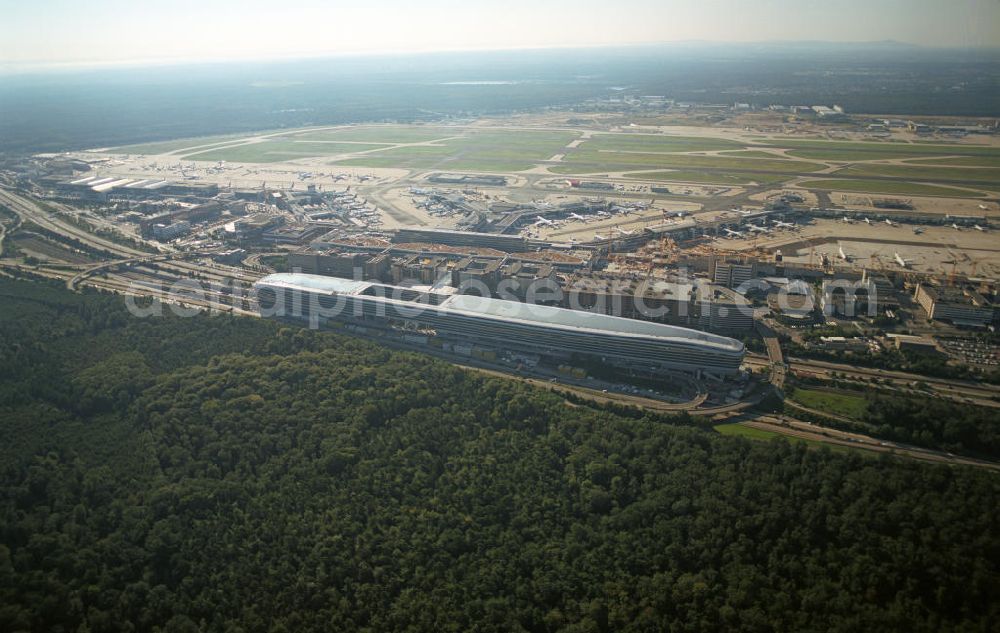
(168, 277)
(958, 390)
(791, 427)
(30, 211)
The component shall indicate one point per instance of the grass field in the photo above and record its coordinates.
(931, 167)
(838, 403)
(713, 178)
(980, 175)
(751, 153)
(586, 161)
(43, 248)
(476, 150)
(164, 147)
(272, 151)
(847, 151)
(959, 161)
(889, 187)
(739, 430)
(380, 134)
(658, 143)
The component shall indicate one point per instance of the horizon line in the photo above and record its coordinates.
(30, 67)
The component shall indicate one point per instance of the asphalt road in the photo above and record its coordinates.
(796, 428)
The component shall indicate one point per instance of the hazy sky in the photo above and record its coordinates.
(77, 31)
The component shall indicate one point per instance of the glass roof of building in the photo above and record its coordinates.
(334, 285)
(515, 311)
(565, 317)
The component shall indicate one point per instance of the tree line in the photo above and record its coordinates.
(235, 474)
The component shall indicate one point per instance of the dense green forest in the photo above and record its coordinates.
(935, 423)
(233, 474)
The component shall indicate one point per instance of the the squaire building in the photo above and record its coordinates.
(497, 324)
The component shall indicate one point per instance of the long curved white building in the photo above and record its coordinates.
(497, 324)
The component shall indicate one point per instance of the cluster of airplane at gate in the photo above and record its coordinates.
(751, 228)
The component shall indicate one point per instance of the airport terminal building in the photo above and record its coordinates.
(460, 322)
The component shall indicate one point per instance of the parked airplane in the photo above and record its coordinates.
(956, 226)
(889, 222)
(848, 220)
(843, 255)
(982, 207)
(577, 216)
(868, 221)
(540, 221)
(623, 231)
(732, 233)
(757, 229)
(743, 211)
(904, 263)
(784, 225)
(979, 228)
(598, 236)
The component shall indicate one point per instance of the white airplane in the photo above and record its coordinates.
(577, 216)
(956, 226)
(623, 231)
(867, 221)
(732, 233)
(889, 222)
(979, 228)
(982, 207)
(743, 211)
(903, 263)
(540, 221)
(842, 254)
(784, 225)
(757, 229)
(598, 236)
(848, 220)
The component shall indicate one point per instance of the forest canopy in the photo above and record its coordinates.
(236, 474)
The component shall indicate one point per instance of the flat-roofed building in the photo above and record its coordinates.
(733, 274)
(546, 331)
(523, 277)
(477, 271)
(962, 306)
(506, 243)
(723, 309)
(658, 300)
(331, 262)
(423, 269)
